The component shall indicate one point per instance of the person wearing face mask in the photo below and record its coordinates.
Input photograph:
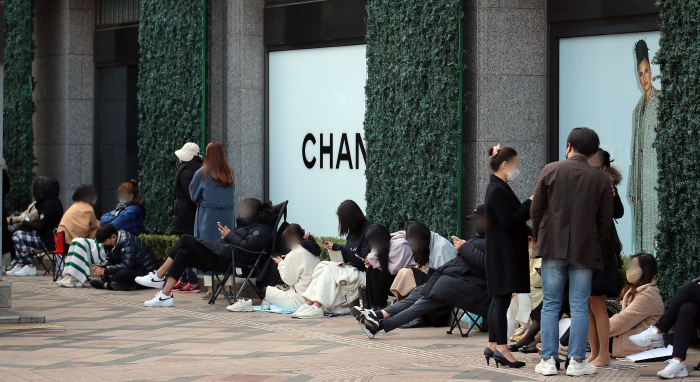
(642, 306)
(129, 214)
(507, 260)
(296, 268)
(127, 257)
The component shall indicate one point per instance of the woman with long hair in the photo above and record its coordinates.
(604, 283)
(129, 213)
(212, 189)
(642, 306)
(507, 260)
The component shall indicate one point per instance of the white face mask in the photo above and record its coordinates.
(513, 174)
(122, 200)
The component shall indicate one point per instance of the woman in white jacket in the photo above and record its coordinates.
(296, 269)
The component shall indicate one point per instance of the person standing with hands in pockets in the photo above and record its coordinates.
(571, 214)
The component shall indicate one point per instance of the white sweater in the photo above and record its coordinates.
(297, 269)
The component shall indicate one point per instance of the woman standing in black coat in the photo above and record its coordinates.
(184, 209)
(507, 260)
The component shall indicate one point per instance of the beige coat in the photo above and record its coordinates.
(78, 222)
(295, 270)
(645, 310)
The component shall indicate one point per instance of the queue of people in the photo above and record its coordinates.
(531, 262)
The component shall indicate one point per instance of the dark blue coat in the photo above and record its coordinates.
(129, 220)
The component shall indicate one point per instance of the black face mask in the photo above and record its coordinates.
(481, 232)
(108, 248)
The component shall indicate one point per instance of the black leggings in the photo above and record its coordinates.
(377, 289)
(189, 252)
(498, 322)
(127, 276)
(683, 312)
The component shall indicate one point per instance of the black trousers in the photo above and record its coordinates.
(408, 309)
(188, 252)
(683, 313)
(498, 322)
(126, 276)
(378, 289)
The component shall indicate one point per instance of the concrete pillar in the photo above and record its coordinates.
(64, 72)
(505, 91)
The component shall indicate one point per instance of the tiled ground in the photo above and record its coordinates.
(103, 335)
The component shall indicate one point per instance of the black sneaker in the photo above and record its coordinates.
(366, 317)
(97, 284)
(369, 332)
(122, 287)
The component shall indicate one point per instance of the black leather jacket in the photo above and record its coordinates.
(130, 252)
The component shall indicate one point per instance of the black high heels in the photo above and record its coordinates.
(488, 354)
(500, 359)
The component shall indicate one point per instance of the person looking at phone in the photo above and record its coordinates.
(295, 268)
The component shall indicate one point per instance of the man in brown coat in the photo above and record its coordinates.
(571, 214)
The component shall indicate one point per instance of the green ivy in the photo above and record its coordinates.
(18, 107)
(160, 244)
(324, 252)
(412, 117)
(678, 144)
(169, 91)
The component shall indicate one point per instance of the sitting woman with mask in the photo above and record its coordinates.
(391, 253)
(129, 214)
(295, 269)
(252, 232)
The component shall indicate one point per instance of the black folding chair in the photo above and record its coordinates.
(280, 211)
(458, 317)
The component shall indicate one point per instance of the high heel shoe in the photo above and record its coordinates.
(488, 354)
(499, 358)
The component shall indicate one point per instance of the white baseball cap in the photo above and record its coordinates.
(188, 151)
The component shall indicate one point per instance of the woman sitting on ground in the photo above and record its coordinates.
(129, 214)
(80, 221)
(296, 269)
(390, 253)
(324, 292)
(684, 314)
(38, 235)
(416, 273)
(252, 232)
(128, 257)
(642, 306)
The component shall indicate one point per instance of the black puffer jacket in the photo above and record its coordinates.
(50, 211)
(461, 282)
(252, 235)
(130, 252)
(184, 209)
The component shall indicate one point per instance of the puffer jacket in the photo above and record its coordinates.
(129, 219)
(253, 235)
(461, 282)
(130, 252)
(50, 210)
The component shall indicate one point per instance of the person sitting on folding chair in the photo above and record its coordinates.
(460, 282)
(252, 231)
(38, 235)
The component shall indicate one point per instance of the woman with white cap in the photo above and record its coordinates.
(184, 209)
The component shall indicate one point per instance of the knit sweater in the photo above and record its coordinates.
(79, 221)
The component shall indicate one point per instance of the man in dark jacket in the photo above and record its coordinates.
(253, 232)
(39, 234)
(571, 214)
(460, 282)
(128, 257)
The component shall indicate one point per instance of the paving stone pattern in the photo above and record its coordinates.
(109, 335)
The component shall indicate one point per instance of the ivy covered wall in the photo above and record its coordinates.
(678, 144)
(169, 95)
(412, 116)
(18, 106)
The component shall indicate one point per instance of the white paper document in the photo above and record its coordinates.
(652, 354)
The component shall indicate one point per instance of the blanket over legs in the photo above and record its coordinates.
(335, 287)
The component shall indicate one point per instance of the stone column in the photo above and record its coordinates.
(505, 91)
(64, 73)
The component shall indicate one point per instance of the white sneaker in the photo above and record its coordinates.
(26, 271)
(649, 337)
(70, 282)
(64, 279)
(12, 271)
(301, 310)
(580, 368)
(675, 369)
(265, 305)
(312, 312)
(151, 280)
(547, 367)
(160, 300)
(241, 305)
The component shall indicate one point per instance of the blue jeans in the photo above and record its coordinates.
(189, 276)
(555, 274)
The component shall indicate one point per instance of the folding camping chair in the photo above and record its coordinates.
(281, 211)
(458, 317)
(55, 257)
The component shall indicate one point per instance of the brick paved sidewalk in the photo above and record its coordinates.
(105, 335)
